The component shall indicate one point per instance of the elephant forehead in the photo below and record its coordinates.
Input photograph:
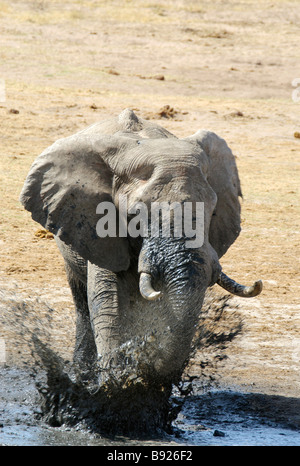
(169, 148)
(161, 152)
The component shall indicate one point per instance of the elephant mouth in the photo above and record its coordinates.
(148, 292)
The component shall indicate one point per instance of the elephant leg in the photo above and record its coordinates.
(85, 350)
(103, 301)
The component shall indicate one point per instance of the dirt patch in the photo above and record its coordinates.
(66, 66)
(165, 113)
(42, 233)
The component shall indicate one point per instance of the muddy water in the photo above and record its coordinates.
(214, 417)
(208, 416)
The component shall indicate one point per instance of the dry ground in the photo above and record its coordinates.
(224, 66)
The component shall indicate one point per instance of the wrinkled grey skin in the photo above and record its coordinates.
(127, 155)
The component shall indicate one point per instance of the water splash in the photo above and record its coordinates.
(122, 394)
(114, 401)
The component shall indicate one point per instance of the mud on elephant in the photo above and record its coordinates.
(137, 298)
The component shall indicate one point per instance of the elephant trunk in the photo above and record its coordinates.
(173, 280)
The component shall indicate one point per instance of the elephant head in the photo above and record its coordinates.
(159, 281)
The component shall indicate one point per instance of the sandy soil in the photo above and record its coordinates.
(224, 66)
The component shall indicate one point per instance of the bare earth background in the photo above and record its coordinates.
(224, 66)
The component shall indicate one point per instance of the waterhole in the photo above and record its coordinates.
(214, 417)
(42, 402)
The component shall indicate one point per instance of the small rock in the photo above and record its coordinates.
(219, 433)
(114, 72)
(297, 135)
(167, 112)
(238, 113)
(14, 111)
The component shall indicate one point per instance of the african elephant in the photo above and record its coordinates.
(137, 298)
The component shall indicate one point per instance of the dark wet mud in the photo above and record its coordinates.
(43, 402)
(209, 417)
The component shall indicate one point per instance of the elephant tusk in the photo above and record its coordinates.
(146, 288)
(237, 289)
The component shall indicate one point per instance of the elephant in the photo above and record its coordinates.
(138, 298)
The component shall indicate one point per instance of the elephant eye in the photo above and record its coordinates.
(142, 173)
(136, 173)
(119, 181)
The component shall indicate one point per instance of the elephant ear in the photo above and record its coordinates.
(62, 190)
(224, 180)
